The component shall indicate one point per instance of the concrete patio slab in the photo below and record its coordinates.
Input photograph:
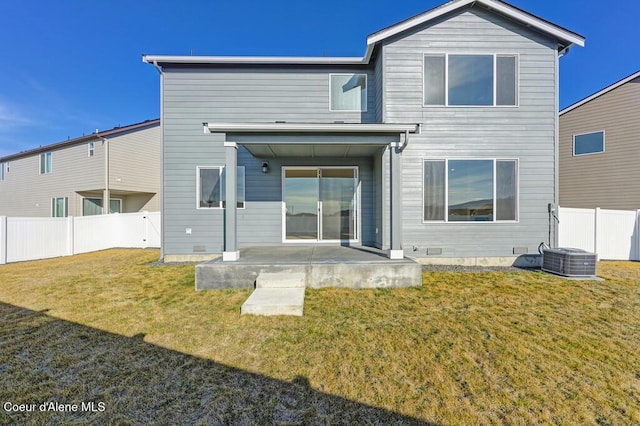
(274, 301)
(321, 266)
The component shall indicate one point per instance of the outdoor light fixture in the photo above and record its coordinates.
(265, 167)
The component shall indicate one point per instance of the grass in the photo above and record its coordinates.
(465, 348)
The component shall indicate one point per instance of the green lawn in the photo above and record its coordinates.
(465, 348)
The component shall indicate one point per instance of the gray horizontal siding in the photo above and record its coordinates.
(194, 96)
(525, 132)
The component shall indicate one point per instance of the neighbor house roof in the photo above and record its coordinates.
(601, 92)
(85, 138)
(565, 37)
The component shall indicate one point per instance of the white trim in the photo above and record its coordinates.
(65, 206)
(446, 190)
(309, 128)
(573, 137)
(230, 144)
(366, 92)
(358, 209)
(601, 92)
(292, 60)
(495, 56)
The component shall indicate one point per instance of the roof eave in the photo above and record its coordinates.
(252, 60)
(601, 92)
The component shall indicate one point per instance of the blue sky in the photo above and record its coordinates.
(70, 67)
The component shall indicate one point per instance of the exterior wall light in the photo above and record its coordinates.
(265, 167)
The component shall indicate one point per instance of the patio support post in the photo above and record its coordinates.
(396, 251)
(231, 251)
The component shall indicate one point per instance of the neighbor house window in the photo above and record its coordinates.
(91, 149)
(93, 206)
(470, 190)
(45, 163)
(211, 187)
(348, 92)
(588, 143)
(470, 80)
(4, 168)
(59, 206)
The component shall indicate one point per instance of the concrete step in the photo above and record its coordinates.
(281, 280)
(274, 301)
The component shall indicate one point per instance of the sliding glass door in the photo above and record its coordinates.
(321, 203)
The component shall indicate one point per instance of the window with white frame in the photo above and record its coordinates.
(45, 163)
(91, 149)
(211, 187)
(470, 80)
(348, 92)
(470, 190)
(59, 206)
(4, 168)
(93, 206)
(588, 143)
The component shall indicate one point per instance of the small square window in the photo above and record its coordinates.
(348, 92)
(588, 143)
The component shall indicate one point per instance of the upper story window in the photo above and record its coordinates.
(470, 80)
(588, 143)
(91, 149)
(4, 169)
(45, 163)
(470, 190)
(211, 187)
(348, 92)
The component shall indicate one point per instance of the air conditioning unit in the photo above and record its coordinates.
(569, 262)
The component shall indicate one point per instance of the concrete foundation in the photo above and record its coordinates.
(321, 266)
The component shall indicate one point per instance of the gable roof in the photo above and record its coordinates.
(565, 37)
(601, 92)
(86, 138)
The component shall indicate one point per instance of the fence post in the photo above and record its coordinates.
(70, 242)
(596, 232)
(636, 231)
(3, 240)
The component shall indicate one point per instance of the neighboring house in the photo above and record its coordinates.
(74, 177)
(600, 148)
(440, 143)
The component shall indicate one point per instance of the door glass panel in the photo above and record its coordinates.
(301, 202)
(337, 194)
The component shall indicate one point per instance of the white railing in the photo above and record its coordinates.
(31, 238)
(612, 234)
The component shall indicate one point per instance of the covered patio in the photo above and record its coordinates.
(319, 140)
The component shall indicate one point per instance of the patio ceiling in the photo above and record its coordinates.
(311, 150)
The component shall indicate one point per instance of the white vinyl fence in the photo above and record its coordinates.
(612, 234)
(30, 238)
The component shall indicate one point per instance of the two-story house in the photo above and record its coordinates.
(600, 148)
(440, 143)
(75, 177)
